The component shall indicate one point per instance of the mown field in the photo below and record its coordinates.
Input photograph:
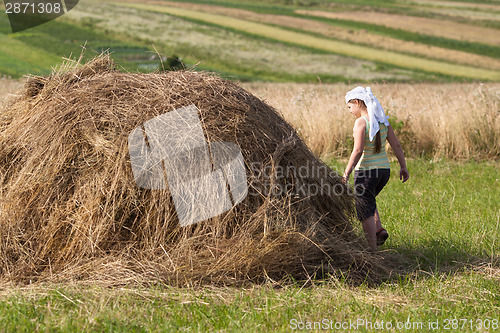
(300, 41)
(301, 56)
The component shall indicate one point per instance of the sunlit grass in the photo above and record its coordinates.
(18, 59)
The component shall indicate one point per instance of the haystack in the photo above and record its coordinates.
(70, 208)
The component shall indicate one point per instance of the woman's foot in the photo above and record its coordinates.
(382, 235)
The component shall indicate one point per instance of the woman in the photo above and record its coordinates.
(369, 160)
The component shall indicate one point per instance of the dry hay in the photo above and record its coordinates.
(70, 208)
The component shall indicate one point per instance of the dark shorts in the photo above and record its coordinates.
(368, 184)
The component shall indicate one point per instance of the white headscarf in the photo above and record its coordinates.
(375, 112)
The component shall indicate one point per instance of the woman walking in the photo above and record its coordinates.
(369, 160)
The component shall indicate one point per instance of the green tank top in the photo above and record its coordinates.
(371, 160)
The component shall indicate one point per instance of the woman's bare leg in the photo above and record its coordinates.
(369, 227)
(378, 227)
(378, 224)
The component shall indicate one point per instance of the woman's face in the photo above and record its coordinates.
(354, 108)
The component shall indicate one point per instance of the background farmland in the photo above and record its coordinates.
(434, 65)
(300, 41)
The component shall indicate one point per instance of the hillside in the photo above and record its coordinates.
(282, 41)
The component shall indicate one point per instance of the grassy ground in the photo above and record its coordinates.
(444, 227)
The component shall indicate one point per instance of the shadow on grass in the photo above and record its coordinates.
(434, 257)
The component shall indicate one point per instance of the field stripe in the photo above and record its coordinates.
(420, 25)
(337, 47)
(17, 58)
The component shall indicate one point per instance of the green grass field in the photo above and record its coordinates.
(444, 226)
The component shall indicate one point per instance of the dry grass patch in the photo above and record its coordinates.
(9, 86)
(442, 120)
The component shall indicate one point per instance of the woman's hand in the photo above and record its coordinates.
(404, 174)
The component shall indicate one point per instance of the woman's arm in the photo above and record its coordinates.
(359, 142)
(404, 174)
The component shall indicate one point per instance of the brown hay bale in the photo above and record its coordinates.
(70, 208)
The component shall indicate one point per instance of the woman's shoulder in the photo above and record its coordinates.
(361, 121)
